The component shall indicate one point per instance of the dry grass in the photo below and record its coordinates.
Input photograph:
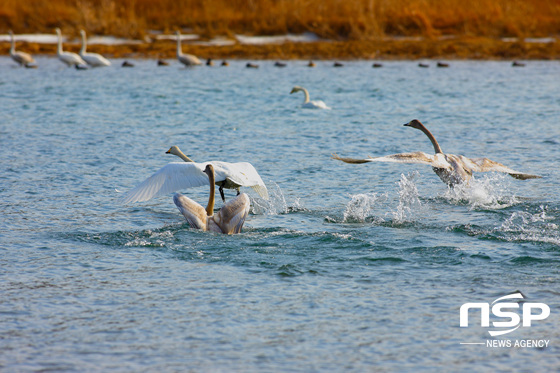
(361, 24)
(338, 19)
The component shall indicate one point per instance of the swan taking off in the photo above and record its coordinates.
(228, 220)
(22, 58)
(69, 58)
(175, 176)
(451, 169)
(233, 173)
(93, 59)
(309, 104)
(186, 59)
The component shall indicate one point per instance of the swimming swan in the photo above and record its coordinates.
(186, 59)
(309, 104)
(93, 59)
(22, 58)
(228, 220)
(69, 58)
(451, 169)
(175, 176)
(233, 172)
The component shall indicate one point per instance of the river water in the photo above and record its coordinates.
(346, 268)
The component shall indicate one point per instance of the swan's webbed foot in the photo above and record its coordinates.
(221, 189)
(238, 192)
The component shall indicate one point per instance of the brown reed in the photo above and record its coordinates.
(333, 19)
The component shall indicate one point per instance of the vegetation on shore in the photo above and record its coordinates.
(357, 29)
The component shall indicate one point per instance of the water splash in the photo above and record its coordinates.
(276, 204)
(489, 192)
(536, 227)
(408, 197)
(361, 207)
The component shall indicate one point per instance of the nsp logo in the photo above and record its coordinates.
(499, 309)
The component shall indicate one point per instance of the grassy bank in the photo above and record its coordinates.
(359, 28)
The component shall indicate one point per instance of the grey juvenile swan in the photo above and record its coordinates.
(451, 169)
(228, 220)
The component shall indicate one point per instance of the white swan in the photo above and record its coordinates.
(92, 59)
(451, 169)
(186, 59)
(228, 220)
(233, 173)
(175, 176)
(22, 58)
(309, 104)
(69, 58)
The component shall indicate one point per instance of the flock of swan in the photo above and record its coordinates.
(452, 169)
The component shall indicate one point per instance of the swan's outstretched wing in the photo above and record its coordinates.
(417, 157)
(231, 217)
(487, 165)
(194, 213)
(168, 179)
(241, 173)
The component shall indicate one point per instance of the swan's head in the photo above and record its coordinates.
(174, 150)
(82, 32)
(57, 30)
(209, 170)
(415, 123)
(296, 89)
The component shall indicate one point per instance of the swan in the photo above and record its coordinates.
(69, 58)
(186, 59)
(232, 174)
(22, 58)
(451, 169)
(93, 59)
(228, 220)
(309, 104)
(180, 175)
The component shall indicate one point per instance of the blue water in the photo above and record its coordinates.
(347, 268)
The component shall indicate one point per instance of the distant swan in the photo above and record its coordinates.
(228, 220)
(309, 104)
(22, 58)
(451, 169)
(69, 58)
(185, 59)
(175, 176)
(93, 59)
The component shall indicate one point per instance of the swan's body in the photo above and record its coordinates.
(228, 220)
(69, 58)
(22, 58)
(451, 169)
(92, 59)
(186, 59)
(306, 102)
(233, 173)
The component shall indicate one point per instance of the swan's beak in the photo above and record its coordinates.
(168, 152)
(293, 90)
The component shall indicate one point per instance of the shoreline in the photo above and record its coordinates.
(452, 48)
